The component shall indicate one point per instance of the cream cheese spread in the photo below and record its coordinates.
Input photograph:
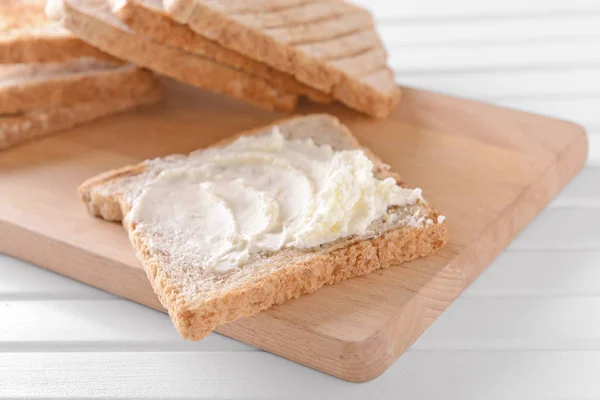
(261, 194)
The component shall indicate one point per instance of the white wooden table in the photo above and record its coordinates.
(529, 328)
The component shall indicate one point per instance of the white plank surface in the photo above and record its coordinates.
(540, 274)
(583, 191)
(490, 31)
(465, 375)
(499, 85)
(387, 11)
(97, 325)
(594, 149)
(561, 229)
(528, 328)
(20, 280)
(561, 53)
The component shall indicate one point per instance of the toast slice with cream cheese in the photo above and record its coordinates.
(263, 217)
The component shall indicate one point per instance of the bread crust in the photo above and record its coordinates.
(274, 278)
(70, 84)
(366, 88)
(29, 48)
(15, 130)
(180, 65)
(195, 321)
(161, 28)
(26, 36)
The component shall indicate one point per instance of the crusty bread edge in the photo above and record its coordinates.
(169, 61)
(21, 129)
(253, 43)
(161, 28)
(33, 48)
(124, 81)
(195, 321)
(107, 208)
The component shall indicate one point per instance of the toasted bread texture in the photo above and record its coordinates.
(26, 36)
(148, 18)
(19, 128)
(28, 87)
(330, 45)
(199, 300)
(95, 23)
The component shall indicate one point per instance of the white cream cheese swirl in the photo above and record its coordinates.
(260, 194)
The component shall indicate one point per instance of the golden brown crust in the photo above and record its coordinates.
(26, 36)
(157, 25)
(85, 84)
(28, 48)
(285, 50)
(16, 130)
(19, 14)
(185, 67)
(103, 206)
(394, 247)
(293, 272)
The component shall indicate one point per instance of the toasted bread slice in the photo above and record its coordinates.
(148, 18)
(199, 300)
(27, 87)
(330, 45)
(94, 23)
(19, 128)
(26, 36)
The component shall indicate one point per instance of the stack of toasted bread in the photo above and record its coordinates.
(74, 67)
(50, 80)
(265, 52)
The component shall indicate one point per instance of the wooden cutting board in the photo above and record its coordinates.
(489, 170)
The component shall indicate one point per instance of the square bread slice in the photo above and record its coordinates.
(27, 36)
(330, 45)
(95, 23)
(199, 300)
(18, 128)
(28, 87)
(148, 18)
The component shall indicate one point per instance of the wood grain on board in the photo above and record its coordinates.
(489, 170)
